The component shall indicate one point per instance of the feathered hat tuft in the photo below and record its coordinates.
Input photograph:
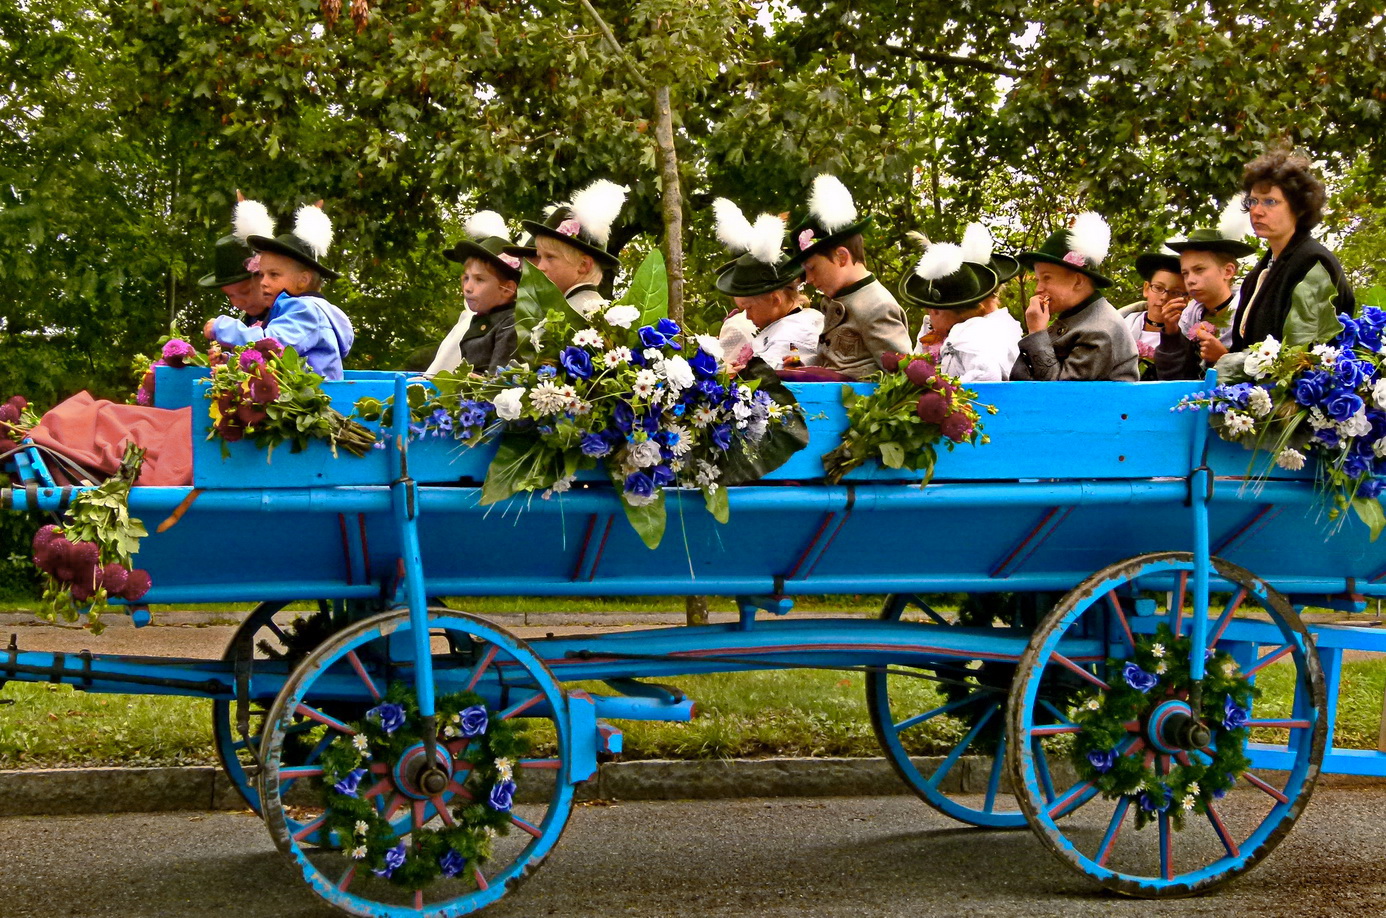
(251, 218)
(596, 208)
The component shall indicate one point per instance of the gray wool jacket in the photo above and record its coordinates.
(1088, 342)
(860, 323)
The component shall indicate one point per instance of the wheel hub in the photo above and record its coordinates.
(415, 778)
(1172, 727)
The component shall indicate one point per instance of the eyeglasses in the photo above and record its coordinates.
(1249, 202)
(1163, 291)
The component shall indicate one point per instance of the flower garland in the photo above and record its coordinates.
(351, 764)
(913, 408)
(1156, 672)
(1324, 400)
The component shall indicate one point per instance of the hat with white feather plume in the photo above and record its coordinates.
(949, 276)
(307, 244)
(586, 222)
(1081, 248)
(231, 258)
(760, 266)
(980, 249)
(832, 219)
(1227, 238)
(488, 238)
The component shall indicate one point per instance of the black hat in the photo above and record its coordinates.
(308, 242)
(489, 240)
(979, 249)
(832, 219)
(1147, 263)
(586, 223)
(229, 259)
(749, 276)
(943, 279)
(1080, 248)
(523, 249)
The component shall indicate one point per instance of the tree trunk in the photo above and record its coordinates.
(672, 199)
(695, 610)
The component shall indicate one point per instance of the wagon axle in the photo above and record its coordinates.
(1173, 727)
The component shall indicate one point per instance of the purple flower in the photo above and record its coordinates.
(652, 337)
(595, 445)
(270, 347)
(452, 863)
(390, 715)
(805, 239)
(502, 796)
(1342, 404)
(394, 860)
(623, 416)
(142, 397)
(721, 436)
(1234, 717)
(176, 350)
(649, 422)
(576, 361)
(1139, 679)
(263, 389)
(473, 414)
(711, 388)
(1356, 465)
(704, 364)
(1151, 804)
(1102, 761)
(570, 227)
(474, 720)
(639, 484)
(348, 785)
(251, 358)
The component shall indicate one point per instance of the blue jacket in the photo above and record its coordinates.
(320, 332)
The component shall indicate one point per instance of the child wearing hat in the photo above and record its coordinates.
(1197, 333)
(1163, 284)
(233, 258)
(861, 320)
(1087, 339)
(959, 287)
(572, 244)
(766, 290)
(484, 335)
(300, 316)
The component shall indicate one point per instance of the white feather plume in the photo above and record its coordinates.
(596, 208)
(977, 244)
(832, 203)
(939, 260)
(917, 239)
(1091, 237)
(733, 229)
(314, 228)
(767, 239)
(251, 218)
(486, 223)
(1235, 223)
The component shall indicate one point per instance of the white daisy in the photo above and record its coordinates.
(703, 416)
(1327, 353)
(358, 853)
(679, 440)
(361, 827)
(1238, 424)
(645, 382)
(616, 357)
(588, 337)
(505, 768)
(548, 398)
(362, 744)
(1188, 802)
(1157, 650)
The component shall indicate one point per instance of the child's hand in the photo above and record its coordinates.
(1171, 312)
(1037, 314)
(1210, 347)
(207, 330)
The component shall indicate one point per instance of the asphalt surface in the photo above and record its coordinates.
(878, 856)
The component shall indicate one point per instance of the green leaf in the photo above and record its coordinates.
(508, 470)
(717, 504)
(892, 455)
(649, 290)
(537, 296)
(1369, 511)
(1312, 318)
(648, 520)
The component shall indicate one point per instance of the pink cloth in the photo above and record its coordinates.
(93, 433)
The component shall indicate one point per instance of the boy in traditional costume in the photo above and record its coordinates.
(1197, 334)
(300, 317)
(1088, 339)
(572, 244)
(766, 290)
(959, 286)
(861, 320)
(235, 269)
(1163, 284)
(484, 335)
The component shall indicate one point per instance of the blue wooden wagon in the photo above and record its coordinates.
(1110, 532)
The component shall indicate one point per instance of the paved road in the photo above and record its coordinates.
(878, 856)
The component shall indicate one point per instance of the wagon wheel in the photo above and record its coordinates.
(1148, 765)
(359, 663)
(967, 710)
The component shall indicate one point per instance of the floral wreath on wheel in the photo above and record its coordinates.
(1156, 672)
(352, 767)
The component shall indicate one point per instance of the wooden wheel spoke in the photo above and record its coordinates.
(918, 719)
(364, 676)
(1042, 767)
(520, 706)
(552, 764)
(994, 780)
(1055, 729)
(1226, 837)
(481, 883)
(1052, 709)
(1104, 850)
(300, 771)
(320, 717)
(1268, 659)
(1078, 670)
(1179, 598)
(1225, 618)
(481, 668)
(525, 826)
(443, 813)
(308, 828)
(1263, 786)
(1071, 798)
(393, 807)
(346, 878)
(1166, 847)
(1114, 602)
(1284, 724)
(378, 788)
(957, 751)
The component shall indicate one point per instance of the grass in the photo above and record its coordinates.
(742, 715)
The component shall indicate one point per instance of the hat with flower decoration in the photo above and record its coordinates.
(946, 278)
(1147, 263)
(760, 265)
(832, 218)
(488, 238)
(979, 248)
(232, 258)
(1229, 237)
(307, 244)
(524, 248)
(1081, 248)
(585, 223)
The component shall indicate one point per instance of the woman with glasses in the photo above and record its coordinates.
(1296, 288)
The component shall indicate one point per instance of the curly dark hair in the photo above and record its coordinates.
(1294, 175)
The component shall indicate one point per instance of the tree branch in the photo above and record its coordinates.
(616, 48)
(949, 60)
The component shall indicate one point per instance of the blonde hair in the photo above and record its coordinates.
(569, 255)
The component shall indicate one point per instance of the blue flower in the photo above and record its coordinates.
(1351, 371)
(394, 860)
(348, 785)
(614, 436)
(391, 716)
(1368, 335)
(649, 422)
(1372, 317)
(474, 720)
(652, 337)
(661, 476)
(594, 444)
(1329, 436)
(576, 361)
(1370, 488)
(623, 416)
(667, 327)
(1356, 465)
(1234, 717)
(1310, 388)
(548, 371)
(1102, 761)
(711, 388)
(452, 864)
(1150, 804)
(721, 436)
(704, 364)
(502, 796)
(639, 484)
(1139, 679)
(1342, 404)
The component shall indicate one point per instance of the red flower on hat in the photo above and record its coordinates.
(569, 227)
(805, 239)
(1076, 260)
(510, 260)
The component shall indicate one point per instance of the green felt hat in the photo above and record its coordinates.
(522, 249)
(1211, 240)
(832, 218)
(1147, 263)
(487, 239)
(749, 276)
(943, 280)
(586, 223)
(1081, 248)
(229, 258)
(308, 242)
